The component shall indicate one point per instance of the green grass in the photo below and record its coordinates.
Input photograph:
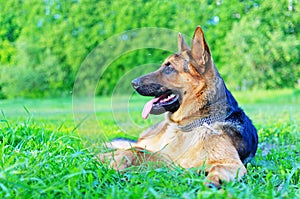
(44, 154)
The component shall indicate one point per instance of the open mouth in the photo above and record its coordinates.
(169, 101)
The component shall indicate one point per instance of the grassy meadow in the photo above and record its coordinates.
(47, 149)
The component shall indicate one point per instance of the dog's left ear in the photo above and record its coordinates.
(200, 50)
(182, 46)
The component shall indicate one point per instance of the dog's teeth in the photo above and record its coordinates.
(167, 99)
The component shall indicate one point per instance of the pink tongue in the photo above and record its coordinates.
(148, 107)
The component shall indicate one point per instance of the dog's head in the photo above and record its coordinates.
(185, 82)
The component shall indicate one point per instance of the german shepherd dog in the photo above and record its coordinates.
(203, 127)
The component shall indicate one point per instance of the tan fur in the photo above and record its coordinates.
(207, 146)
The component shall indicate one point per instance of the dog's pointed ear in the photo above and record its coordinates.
(182, 46)
(200, 50)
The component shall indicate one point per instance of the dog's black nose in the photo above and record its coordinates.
(135, 83)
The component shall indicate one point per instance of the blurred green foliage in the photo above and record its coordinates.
(255, 43)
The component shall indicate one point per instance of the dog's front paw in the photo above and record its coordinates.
(213, 181)
(118, 160)
(224, 172)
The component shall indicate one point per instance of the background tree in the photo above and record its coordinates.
(262, 50)
(255, 44)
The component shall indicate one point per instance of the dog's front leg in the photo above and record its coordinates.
(223, 160)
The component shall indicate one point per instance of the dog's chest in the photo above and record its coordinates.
(185, 148)
(188, 148)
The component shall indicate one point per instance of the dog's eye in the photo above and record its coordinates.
(168, 69)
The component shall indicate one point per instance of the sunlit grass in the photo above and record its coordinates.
(44, 154)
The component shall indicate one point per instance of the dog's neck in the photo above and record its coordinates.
(216, 110)
(209, 101)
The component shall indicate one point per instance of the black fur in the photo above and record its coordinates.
(245, 138)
